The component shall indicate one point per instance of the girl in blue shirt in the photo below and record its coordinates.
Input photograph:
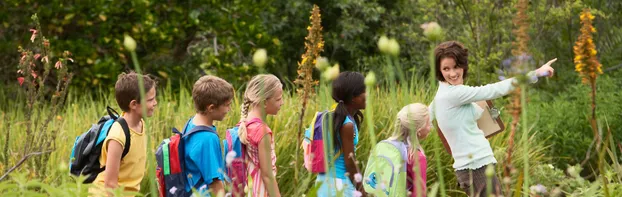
(348, 90)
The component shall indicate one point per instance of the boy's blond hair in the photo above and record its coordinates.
(210, 90)
(126, 88)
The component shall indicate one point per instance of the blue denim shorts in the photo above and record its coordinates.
(333, 186)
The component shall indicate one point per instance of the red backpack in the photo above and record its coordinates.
(170, 158)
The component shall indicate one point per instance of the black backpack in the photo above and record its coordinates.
(84, 159)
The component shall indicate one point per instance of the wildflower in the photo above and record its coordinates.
(538, 189)
(70, 59)
(260, 57)
(357, 193)
(322, 64)
(394, 47)
(586, 62)
(432, 31)
(331, 73)
(58, 64)
(37, 56)
(20, 80)
(507, 180)
(21, 60)
(358, 177)
(46, 42)
(556, 192)
(230, 156)
(34, 35)
(572, 171)
(45, 59)
(129, 43)
(370, 79)
(383, 44)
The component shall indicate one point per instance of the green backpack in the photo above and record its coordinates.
(385, 174)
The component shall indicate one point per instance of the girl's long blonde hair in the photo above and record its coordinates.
(261, 88)
(410, 119)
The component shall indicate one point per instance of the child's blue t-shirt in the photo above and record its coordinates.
(203, 158)
(340, 163)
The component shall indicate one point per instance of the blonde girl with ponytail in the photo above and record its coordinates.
(412, 125)
(263, 96)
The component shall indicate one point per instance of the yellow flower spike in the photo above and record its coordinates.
(586, 61)
(593, 52)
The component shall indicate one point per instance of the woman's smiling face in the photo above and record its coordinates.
(452, 73)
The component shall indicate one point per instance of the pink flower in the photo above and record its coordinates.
(58, 65)
(23, 58)
(20, 80)
(34, 35)
(20, 71)
(70, 59)
(357, 194)
(46, 43)
(358, 178)
(37, 56)
(45, 59)
(34, 74)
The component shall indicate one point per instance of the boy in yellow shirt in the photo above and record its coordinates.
(128, 171)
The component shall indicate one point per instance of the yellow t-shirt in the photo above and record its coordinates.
(132, 167)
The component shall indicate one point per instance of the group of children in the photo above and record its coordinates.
(204, 163)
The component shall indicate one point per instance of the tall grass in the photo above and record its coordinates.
(175, 107)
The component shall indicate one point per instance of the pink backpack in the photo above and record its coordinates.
(313, 143)
(236, 171)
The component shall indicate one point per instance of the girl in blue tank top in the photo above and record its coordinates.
(349, 93)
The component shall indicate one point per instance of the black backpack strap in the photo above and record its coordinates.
(112, 113)
(126, 130)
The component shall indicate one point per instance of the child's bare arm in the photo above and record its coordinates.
(347, 147)
(113, 161)
(265, 166)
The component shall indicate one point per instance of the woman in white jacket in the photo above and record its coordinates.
(456, 114)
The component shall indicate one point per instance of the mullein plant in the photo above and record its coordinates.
(314, 44)
(521, 57)
(329, 73)
(434, 33)
(390, 49)
(34, 69)
(588, 67)
(130, 45)
(586, 63)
